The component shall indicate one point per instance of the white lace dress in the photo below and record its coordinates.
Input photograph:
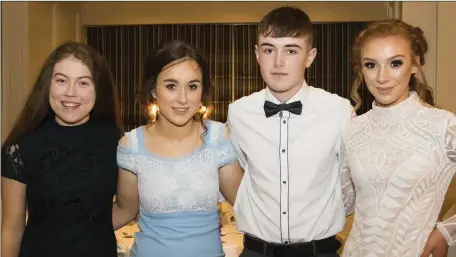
(398, 162)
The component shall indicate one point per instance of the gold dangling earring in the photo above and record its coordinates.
(153, 112)
(199, 115)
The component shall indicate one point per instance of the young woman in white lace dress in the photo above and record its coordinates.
(397, 159)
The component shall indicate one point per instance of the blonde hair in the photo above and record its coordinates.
(418, 47)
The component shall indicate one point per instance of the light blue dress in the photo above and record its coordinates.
(178, 196)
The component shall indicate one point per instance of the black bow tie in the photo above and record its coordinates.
(271, 108)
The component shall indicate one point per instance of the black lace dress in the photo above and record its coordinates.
(71, 178)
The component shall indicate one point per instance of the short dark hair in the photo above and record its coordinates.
(286, 21)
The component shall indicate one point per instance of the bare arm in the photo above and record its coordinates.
(126, 205)
(230, 177)
(13, 216)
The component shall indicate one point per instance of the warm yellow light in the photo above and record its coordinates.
(207, 111)
(153, 110)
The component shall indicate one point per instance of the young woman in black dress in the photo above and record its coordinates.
(59, 161)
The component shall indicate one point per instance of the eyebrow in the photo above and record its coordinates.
(289, 45)
(82, 77)
(391, 58)
(175, 81)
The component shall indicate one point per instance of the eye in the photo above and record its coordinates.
(171, 86)
(292, 52)
(369, 65)
(60, 81)
(396, 63)
(84, 83)
(193, 87)
(267, 50)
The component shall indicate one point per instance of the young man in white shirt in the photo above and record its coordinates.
(288, 137)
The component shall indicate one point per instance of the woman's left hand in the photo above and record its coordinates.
(436, 245)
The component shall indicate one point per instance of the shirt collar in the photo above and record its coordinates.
(301, 95)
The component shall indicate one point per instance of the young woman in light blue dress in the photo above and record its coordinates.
(170, 170)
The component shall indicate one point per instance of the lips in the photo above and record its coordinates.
(180, 110)
(384, 88)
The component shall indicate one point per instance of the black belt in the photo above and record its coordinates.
(308, 249)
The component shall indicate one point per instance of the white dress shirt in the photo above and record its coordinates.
(291, 189)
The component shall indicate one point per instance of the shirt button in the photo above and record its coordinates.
(286, 242)
(284, 182)
(284, 212)
(283, 150)
(284, 121)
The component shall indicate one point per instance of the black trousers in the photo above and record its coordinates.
(249, 253)
(255, 247)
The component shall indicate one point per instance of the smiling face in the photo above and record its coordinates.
(387, 67)
(283, 62)
(72, 92)
(179, 92)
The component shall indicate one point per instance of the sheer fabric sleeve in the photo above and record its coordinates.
(448, 226)
(348, 188)
(13, 163)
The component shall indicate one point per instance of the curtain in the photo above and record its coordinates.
(229, 49)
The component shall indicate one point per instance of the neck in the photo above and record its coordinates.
(287, 95)
(176, 133)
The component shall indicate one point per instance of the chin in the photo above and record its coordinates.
(385, 101)
(180, 121)
(275, 87)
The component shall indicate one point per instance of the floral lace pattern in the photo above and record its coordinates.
(181, 184)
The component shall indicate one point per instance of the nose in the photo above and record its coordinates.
(382, 75)
(278, 60)
(71, 89)
(183, 98)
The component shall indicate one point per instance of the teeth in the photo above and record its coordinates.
(70, 104)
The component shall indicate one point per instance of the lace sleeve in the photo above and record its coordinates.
(348, 188)
(450, 139)
(13, 164)
(448, 230)
(226, 153)
(448, 226)
(125, 154)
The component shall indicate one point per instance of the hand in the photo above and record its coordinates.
(436, 245)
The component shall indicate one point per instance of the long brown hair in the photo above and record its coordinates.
(37, 106)
(418, 47)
